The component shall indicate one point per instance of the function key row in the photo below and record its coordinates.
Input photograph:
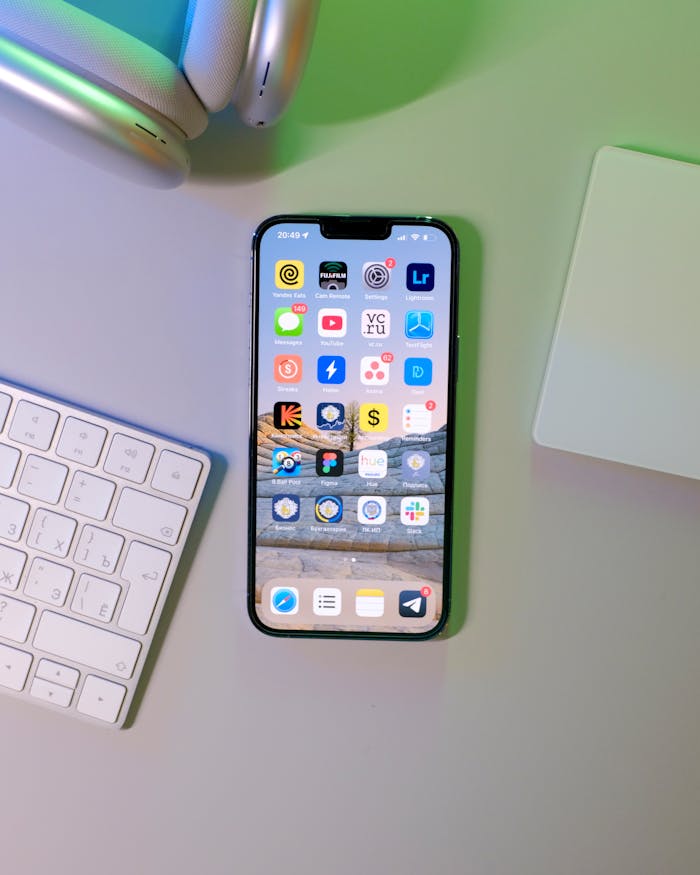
(129, 458)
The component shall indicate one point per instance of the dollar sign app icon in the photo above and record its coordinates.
(287, 368)
(374, 417)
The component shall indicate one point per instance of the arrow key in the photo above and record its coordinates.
(101, 699)
(57, 673)
(14, 667)
(55, 694)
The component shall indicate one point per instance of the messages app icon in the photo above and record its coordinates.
(288, 323)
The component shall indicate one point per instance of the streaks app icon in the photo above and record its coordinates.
(374, 417)
(286, 415)
(287, 368)
(289, 274)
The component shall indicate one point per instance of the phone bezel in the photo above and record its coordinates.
(354, 224)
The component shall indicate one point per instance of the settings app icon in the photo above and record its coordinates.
(375, 275)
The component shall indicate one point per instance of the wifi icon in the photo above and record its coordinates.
(415, 236)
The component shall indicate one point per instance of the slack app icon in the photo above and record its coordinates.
(420, 277)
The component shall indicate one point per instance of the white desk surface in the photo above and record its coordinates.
(556, 730)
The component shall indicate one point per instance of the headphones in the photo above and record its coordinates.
(96, 90)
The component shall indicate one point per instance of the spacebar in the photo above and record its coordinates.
(81, 642)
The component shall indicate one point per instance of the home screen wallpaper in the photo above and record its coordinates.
(352, 396)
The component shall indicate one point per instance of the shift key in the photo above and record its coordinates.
(81, 642)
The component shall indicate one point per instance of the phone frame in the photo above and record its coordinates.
(354, 227)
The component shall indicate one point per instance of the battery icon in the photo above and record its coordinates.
(429, 237)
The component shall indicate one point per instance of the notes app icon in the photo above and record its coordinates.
(369, 603)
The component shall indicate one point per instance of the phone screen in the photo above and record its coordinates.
(353, 371)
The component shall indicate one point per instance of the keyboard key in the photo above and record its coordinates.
(48, 581)
(51, 533)
(9, 458)
(176, 474)
(80, 642)
(33, 425)
(129, 458)
(145, 568)
(43, 479)
(149, 516)
(101, 699)
(81, 442)
(95, 598)
(14, 667)
(90, 495)
(53, 693)
(15, 618)
(99, 549)
(79, 594)
(13, 515)
(58, 673)
(5, 401)
(11, 566)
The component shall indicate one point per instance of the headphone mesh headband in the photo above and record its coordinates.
(105, 54)
(216, 46)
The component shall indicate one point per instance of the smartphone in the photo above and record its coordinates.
(354, 366)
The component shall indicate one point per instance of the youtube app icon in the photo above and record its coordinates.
(332, 322)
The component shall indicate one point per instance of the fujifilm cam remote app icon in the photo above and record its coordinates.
(333, 275)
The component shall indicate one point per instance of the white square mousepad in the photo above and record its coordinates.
(623, 377)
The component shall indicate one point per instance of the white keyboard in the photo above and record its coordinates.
(94, 516)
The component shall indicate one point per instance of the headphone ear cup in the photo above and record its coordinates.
(106, 56)
(279, 45)
(214, 47)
